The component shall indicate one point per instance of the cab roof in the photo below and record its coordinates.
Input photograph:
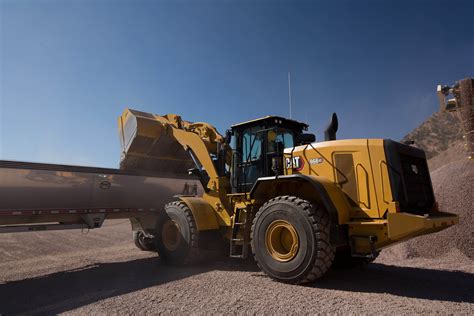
(272, 120)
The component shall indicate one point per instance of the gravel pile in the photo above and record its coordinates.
(455, 152)
(453, 184)
(454, 188)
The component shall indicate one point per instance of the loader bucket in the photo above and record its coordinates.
(147, 143)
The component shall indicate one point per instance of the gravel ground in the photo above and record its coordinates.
(102, 272)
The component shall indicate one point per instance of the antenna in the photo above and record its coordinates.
(289, 93)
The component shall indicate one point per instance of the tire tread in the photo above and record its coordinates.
(319, 219)
(194, 255)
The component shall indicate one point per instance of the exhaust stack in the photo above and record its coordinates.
(331, 129)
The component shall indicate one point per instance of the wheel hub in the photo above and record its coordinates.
(281, 240)
(171, 235)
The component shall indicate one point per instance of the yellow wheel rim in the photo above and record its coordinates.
(281, 240)
(171, 235)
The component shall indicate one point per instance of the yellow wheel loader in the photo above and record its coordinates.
(268, 187)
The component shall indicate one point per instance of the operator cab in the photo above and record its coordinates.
(257, 148)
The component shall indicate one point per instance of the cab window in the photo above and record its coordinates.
(251, 144)
(279, 139)
(286, 138)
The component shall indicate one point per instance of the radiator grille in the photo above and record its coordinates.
(417, 183)
(409, 178)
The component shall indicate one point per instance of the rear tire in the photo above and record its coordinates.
(177, 235)
(290, 240)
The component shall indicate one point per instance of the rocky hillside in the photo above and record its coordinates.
(437, 134)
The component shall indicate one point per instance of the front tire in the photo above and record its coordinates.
(177, 236)
(290, 240)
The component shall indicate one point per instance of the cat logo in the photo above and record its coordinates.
(295, 163)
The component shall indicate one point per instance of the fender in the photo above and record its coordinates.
(322, 190)
(203, 213)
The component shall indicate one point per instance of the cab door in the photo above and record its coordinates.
(251, 165)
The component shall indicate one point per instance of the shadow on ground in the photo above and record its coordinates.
(68, 290)
(422, 283)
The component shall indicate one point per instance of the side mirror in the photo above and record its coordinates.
(228, 136)
(304, 139)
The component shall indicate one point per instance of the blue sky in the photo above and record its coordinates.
(69, 68)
